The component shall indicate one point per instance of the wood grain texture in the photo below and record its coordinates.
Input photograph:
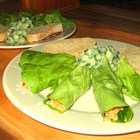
(15, 125)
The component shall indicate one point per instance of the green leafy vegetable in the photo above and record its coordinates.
(42, 58)
(39, 19)
(6, 18)
(39, 77)
(108, 94)
(129, 78)
(54, 16)
(40, 70)
(27, 13)
(122, 113)
(49, 17)
(69, 89)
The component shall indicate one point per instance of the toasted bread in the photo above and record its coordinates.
(3, 33)
(70, 46)
(40, 33)
(133, 56)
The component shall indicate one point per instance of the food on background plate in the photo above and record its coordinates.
(17, 31)
(19, 24)
(42, 32)
(70, 46)
(3, 33)
(69, 89)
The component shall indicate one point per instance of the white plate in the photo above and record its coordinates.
(83, 117)
(68, 31)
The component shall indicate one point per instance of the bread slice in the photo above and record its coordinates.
(133, 56)
(70, 46)
(3, 33)
(40, 33)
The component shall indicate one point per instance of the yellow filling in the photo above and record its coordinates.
(55, 104)
(112, 114)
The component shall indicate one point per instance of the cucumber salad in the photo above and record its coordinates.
(17, 31)
(93, 57)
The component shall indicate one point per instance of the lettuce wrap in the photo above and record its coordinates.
(69, 89)
(41, 70)
(107, 89)
(129, 78)
(43, 58)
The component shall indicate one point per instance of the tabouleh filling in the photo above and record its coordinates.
(112, 114)
(55, 104)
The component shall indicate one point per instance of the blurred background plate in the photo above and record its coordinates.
(68, 31)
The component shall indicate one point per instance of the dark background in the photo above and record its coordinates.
(133, 5)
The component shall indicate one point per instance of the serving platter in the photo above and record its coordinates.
(68, 30)
(84, 117)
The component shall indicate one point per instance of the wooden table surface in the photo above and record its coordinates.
(15, 125)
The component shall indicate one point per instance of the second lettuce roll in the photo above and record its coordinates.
(69, 89)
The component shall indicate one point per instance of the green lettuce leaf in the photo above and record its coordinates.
(42, 58)
(129, 78)
(107, 89)
(39, 77)
(70, 88)
(40, 70)
(54, 16)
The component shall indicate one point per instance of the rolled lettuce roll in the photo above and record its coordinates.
(107, 89)
(69, 89)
